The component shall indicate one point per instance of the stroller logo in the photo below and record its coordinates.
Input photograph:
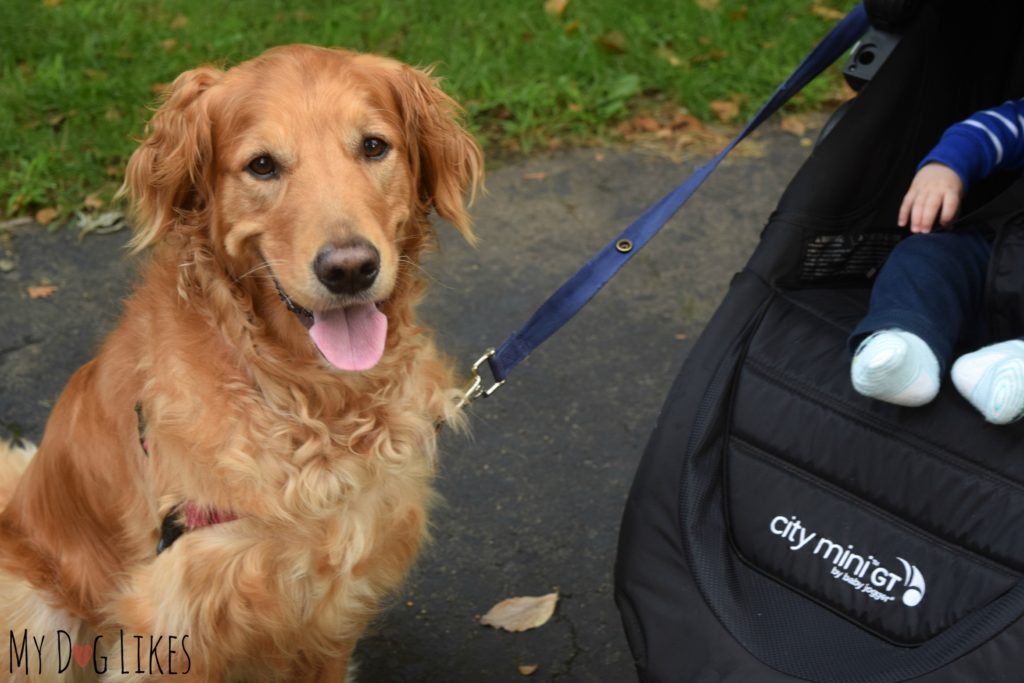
(864, 574)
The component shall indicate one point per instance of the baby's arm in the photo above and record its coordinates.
(935, 192)
(987, 141)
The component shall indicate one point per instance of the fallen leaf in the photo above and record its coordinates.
(726, 110)
(575, 107)
(56, 120)
(613, 41)
(556, 7)
(41, 291)
(112, 171)
(683, 121)
(826, 12)
(91, 201)
(46, 216)
(168, 44)
(52, 3)
(113, 115)
(646, 123)
(537, 175)
(794, 125)
(739, 14)
(100, 223)
(669, 56)
(95, 74)
(709, 56)
(527, 669)
(180, 21)
(521, 613)
(572, 27)
(708, 4)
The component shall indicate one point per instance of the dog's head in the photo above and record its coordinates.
(315, 166)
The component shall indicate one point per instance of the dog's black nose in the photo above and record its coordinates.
(349, 268)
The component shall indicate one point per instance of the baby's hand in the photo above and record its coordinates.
(935, 187)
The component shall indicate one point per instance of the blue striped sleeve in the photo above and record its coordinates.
(987, 141)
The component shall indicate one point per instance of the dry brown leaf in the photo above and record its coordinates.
(739, 14)
(683, 121)
(180, 21)
(572, 27)
(613, 41)
(726, 110)
(645, 123)
(41, 291)
(556, 7)
(707, 4)
(522, 613)
(113, 115)
(112, 171)
(527, 669)
(793, 124)
(52, 3)
(91, 201)
(536, 175)
(168, 44)
(46, 216)
(826, 12)
(709, 56)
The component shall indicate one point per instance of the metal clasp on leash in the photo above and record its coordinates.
(475, 389)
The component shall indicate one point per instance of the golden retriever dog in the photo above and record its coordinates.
(230, 488)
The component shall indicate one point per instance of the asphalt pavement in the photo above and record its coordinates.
(533, 498)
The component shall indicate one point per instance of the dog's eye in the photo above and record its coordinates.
(263, 167)
(375, 148)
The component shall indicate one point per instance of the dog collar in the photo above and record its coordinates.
(188, 517)
(184, 516)
(305, 316)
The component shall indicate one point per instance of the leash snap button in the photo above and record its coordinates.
(475, 389)
(624, 246)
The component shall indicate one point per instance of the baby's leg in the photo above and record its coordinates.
(927, 299)
(992, 379)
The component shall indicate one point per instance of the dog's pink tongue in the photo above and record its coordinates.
(350, 338)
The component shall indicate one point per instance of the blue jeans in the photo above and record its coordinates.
(933, 286)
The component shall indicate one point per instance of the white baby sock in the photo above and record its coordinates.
(896, 367)
(992, 379)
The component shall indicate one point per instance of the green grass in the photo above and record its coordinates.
(77, 77)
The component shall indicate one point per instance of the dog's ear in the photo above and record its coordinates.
(168, 175)
(444, 157)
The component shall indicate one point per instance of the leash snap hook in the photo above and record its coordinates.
(475, 389)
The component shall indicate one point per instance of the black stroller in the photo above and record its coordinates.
(783, 528)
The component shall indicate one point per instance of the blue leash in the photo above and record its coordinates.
(581, 287)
